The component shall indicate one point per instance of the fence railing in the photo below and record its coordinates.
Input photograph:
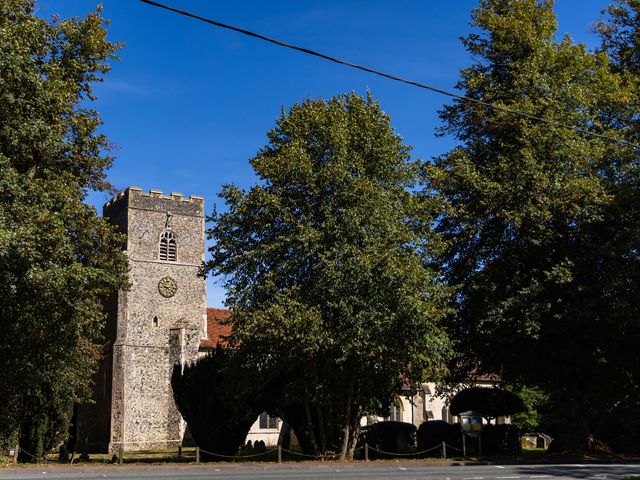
(194, 454)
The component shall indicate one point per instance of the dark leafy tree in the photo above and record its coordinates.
(218, 420)
(542, 220)
(58, 259)
(326, 262)
(620, 34)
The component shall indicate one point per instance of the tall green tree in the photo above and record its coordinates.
(58, 259)
(620, 34)
(326, 261)
(541, 219)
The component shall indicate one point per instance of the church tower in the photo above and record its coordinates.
(156, 324)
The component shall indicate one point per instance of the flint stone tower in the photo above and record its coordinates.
(157, 323)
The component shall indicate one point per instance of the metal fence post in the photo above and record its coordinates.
(121, 454)
(197, 454)
(180, 450)
(16, 451)
(279, 453)
(444, 450)
(366, 452)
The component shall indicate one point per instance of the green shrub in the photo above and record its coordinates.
(432, 433)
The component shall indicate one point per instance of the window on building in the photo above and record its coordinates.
(267, 421)
(168, 246)
(395, 412)
(155, 321)
(446, 416)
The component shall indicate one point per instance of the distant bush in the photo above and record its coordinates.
(496, 439)
(432, 433)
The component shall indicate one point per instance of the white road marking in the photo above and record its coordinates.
(499, 466)
(539, 476)
(507, 477)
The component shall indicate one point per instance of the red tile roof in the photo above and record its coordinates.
(216, 331)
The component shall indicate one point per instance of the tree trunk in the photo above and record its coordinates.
(570, 440)
(354, 432)
(346, 428)
(574, 436)
(331, 427)
(321, 429)
(310, 426)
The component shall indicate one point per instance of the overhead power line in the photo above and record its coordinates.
(391, 76)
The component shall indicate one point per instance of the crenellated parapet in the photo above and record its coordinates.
(154, 200)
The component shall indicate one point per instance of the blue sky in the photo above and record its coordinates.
(189, 104)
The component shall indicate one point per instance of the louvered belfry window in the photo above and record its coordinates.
(168, 246)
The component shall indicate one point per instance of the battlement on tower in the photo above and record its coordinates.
(154, 200)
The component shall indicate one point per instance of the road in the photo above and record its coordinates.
(315, 471)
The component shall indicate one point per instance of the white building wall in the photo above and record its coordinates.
(268, 435)
(422, 407)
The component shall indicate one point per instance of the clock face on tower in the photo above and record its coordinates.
(167, 287)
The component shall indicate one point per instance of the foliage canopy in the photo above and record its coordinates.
(326, 261)
(542, 222)
(59, 261)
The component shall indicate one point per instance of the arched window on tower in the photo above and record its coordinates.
(168, 246)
